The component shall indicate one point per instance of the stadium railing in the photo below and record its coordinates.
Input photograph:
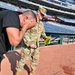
(61, 39)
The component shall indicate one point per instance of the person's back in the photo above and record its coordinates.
(2, 31)
(5, 18)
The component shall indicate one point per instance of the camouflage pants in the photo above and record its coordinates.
(25, 54)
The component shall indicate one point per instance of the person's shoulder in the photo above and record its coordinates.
(7, 11)
(10, 11)
(4, 11)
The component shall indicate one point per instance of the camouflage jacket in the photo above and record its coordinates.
(33, 35)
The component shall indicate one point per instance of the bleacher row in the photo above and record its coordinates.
(63, 2)
(58, 28)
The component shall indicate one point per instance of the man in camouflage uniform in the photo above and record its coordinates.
(31, 40)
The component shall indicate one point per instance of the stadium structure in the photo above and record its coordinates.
(60, 18)
(59, 23)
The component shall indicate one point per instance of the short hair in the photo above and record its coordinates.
(30, 13)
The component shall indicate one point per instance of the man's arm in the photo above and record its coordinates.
(14, 35)
(43, 34)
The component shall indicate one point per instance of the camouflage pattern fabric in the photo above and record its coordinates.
(26, 53)
(31, 36)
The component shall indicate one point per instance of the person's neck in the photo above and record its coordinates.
(20, 16)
